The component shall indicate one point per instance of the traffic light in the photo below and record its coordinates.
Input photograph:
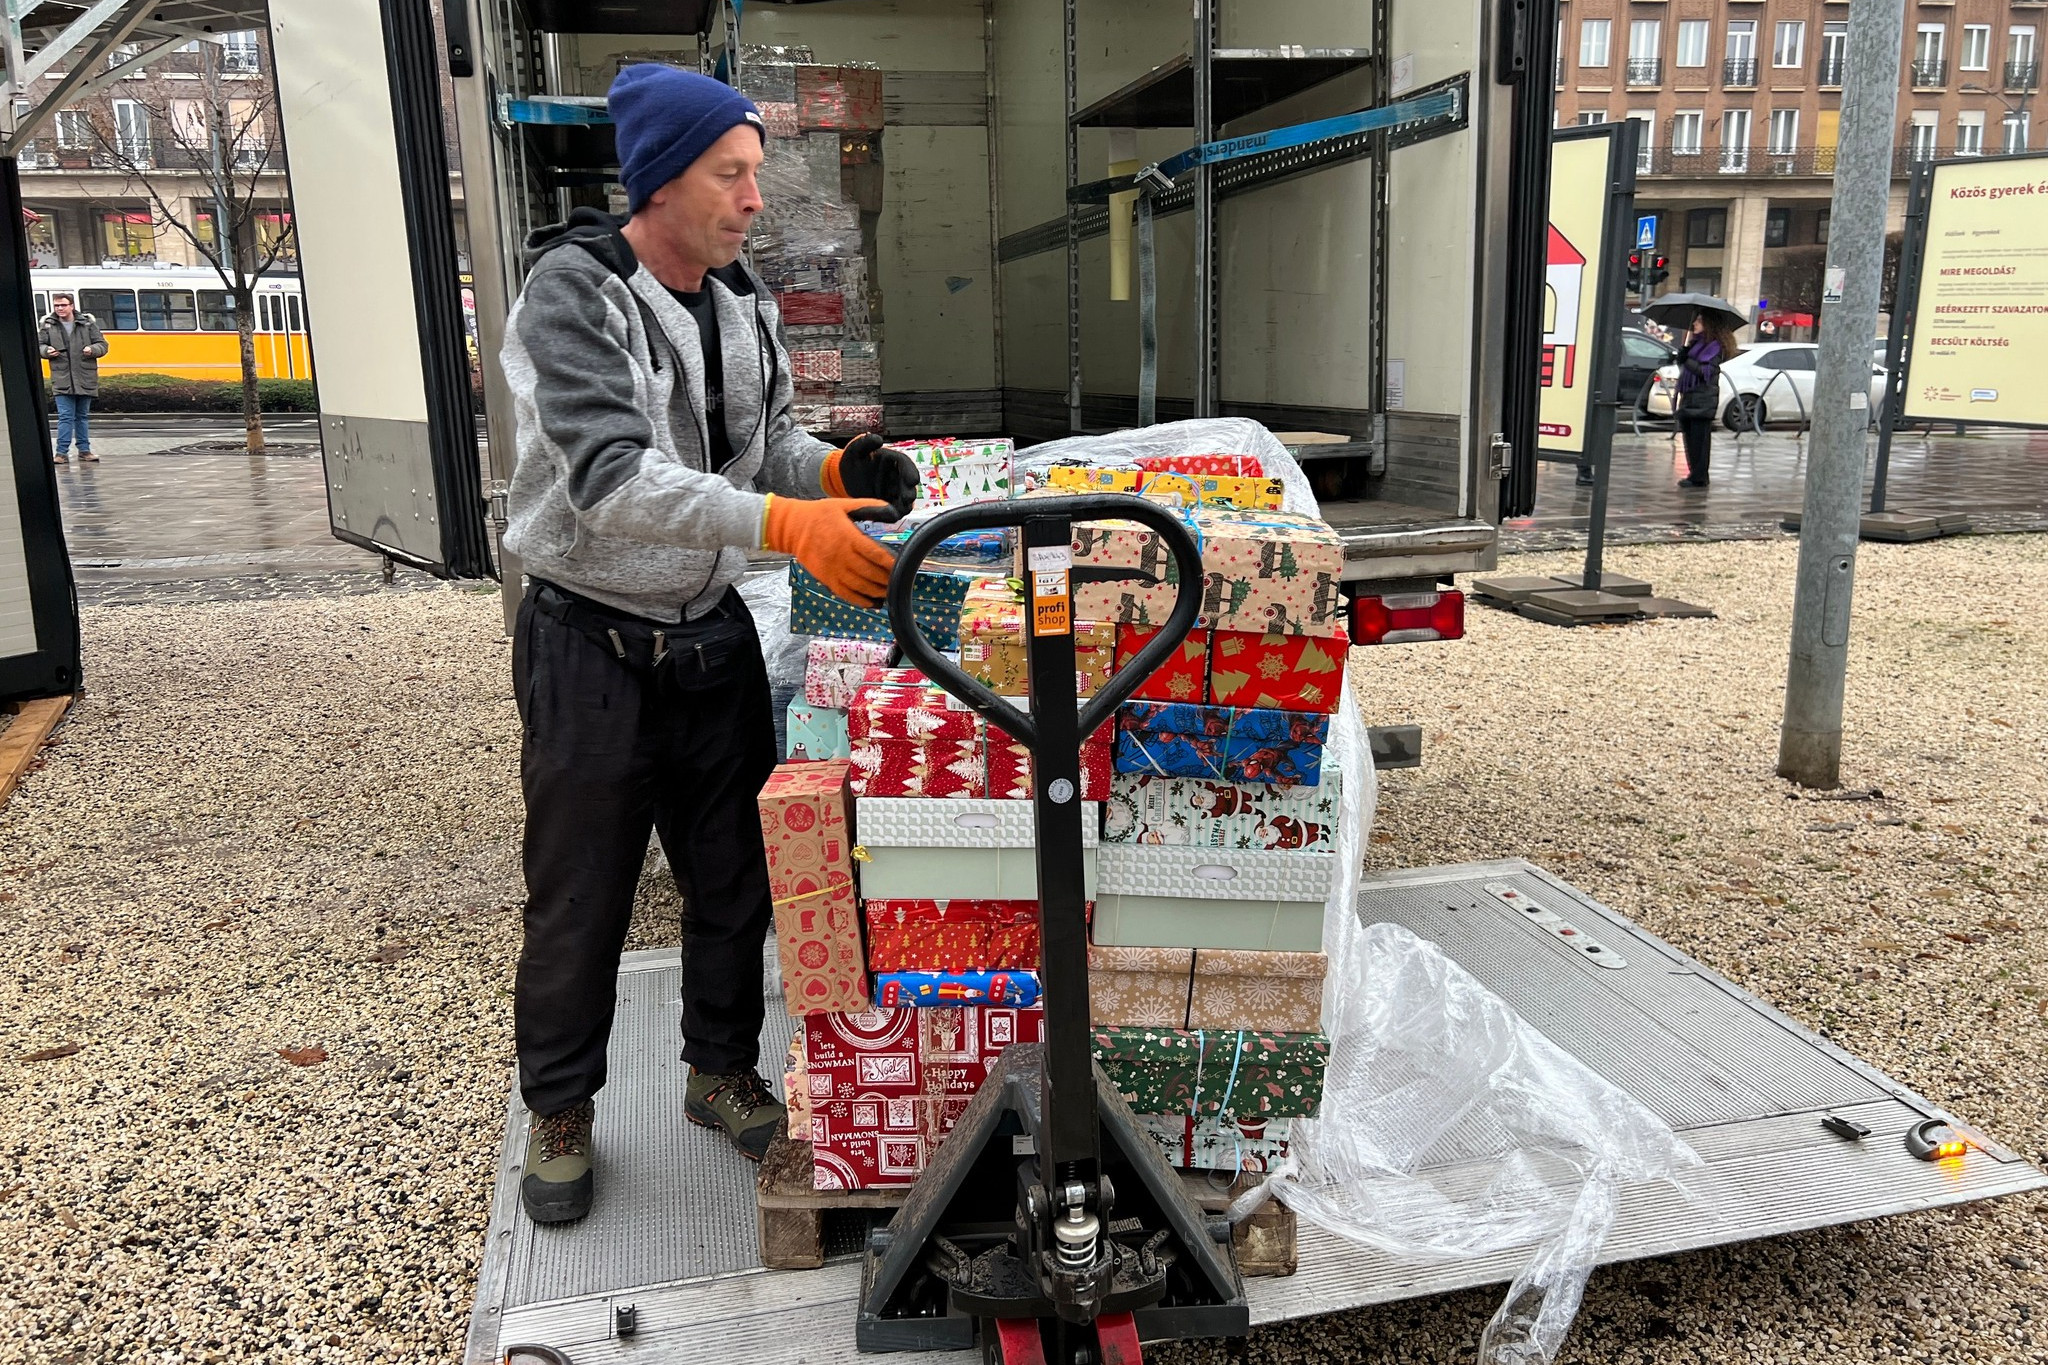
(1635, 272)
(1658, 273)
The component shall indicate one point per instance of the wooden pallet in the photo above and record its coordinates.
(21, 741)
(792, 1214)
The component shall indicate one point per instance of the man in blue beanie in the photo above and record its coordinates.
(656, 449)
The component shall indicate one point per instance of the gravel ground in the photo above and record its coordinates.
(263, 896)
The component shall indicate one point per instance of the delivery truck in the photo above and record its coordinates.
(1349, 257)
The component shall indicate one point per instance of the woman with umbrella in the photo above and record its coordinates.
(1709, 344)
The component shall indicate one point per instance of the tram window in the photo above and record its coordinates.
(291, 301)
(113, 309)
(42, 305)
(266, 312)
(216, 310)
(168, 310)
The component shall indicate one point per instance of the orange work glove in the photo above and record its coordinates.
(821, 535)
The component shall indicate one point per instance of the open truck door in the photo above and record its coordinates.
(358, 90)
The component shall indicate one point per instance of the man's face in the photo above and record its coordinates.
(704, 212)
(63, 307)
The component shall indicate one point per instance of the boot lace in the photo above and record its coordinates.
(566, 1133)
(748, 1091)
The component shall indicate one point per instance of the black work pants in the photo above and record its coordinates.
(618, 742)
(1699, 445)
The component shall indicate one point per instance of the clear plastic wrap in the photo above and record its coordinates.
(766, 594)
(1530, 1148)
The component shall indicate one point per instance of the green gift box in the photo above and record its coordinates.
(934, 604)
(1207, 1073)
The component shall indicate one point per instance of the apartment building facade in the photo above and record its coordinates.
(1738, 108)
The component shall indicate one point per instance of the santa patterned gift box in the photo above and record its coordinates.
(1222, 743)
(995, 653)
(951, 935)
(1268, 573)
(934, 604)
(1144, 808)
(1183, 677)
(1205, 988)
(886, 1085)
(1212, 1073)
(1248, 466)
(937, 990)
(1254, 1145)
(1277, 672)
(833, 669)
(804, 809)
(1212, 490)
(814, 732)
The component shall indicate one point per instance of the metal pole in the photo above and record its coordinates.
(1905, 303)
(1073, 152)
(1810, 741)
(1605, 399)
(1205, 395)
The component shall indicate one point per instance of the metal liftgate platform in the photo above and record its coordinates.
(673, 1232)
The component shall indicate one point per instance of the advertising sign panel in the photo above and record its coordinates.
(1579, 173)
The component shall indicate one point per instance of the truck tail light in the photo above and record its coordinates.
(1407, 617)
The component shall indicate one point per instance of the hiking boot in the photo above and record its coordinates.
(741, 1104)
(557, 1185)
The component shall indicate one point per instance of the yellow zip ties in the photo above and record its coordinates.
(860, 855)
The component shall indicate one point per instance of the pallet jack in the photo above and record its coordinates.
(1049, 1224)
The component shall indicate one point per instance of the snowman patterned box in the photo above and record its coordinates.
(886, 1085)
(1145, 808)
(804, 810)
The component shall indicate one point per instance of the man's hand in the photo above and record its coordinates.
(822, 536)
(866, 468)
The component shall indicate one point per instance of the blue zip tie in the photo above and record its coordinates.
(1236, 1060)
(1201, 1054)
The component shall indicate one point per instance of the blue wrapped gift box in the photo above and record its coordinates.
(1222, 743)
(934, 605)
(815, 732)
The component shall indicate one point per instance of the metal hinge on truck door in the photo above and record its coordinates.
(1499, 456)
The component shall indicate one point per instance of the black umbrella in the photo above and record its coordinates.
(1678, 310)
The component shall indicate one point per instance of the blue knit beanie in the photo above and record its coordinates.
(666, 118)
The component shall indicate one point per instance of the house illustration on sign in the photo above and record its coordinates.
(1563, 276)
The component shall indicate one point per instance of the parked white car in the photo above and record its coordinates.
(1771, 381)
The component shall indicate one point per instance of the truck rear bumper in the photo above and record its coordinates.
(1394, 540)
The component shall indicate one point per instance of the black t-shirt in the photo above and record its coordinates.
(700, 306)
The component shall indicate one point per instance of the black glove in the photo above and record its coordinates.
(869, 469)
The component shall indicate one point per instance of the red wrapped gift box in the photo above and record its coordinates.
(951, 936)
(812, 308)
(803, 810)
(1009, 767)
(834, 97)
(886, 1085)
(1244, 465)
(1277, 672)
(889, 710)
(1183, 677)
(908, 767)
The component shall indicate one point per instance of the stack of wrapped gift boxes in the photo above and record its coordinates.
(1209, 848)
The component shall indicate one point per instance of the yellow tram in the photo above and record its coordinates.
(177, 320)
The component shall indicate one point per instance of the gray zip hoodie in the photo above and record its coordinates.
(614, 496)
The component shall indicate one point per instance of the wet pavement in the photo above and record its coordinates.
(150, 524)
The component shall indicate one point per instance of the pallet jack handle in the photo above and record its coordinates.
(1070, 1200)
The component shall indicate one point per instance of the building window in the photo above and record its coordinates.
(1645, 47)
(1788, 48)
(1820, 226)
(2015, 127)
(1970, 133)
(1926, 127)
(1646, 140)
(1735, 140)
(1742, 40)
(1706, 227)
(1777, 226)
(131, 131)
(1692, 42)
(74, 134)
(1593, 37)
(1930, 65)
(1685, 133)
(1976, 47)
(1784, 130)
(238, 51)
(128, 235)
(1834, 53)
(1590, 117)
(2020, 71)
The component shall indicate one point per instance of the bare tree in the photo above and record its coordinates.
(222, 130)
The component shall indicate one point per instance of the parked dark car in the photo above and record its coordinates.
(1642, 355)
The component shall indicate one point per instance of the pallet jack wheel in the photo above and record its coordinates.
(1016, 1341)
